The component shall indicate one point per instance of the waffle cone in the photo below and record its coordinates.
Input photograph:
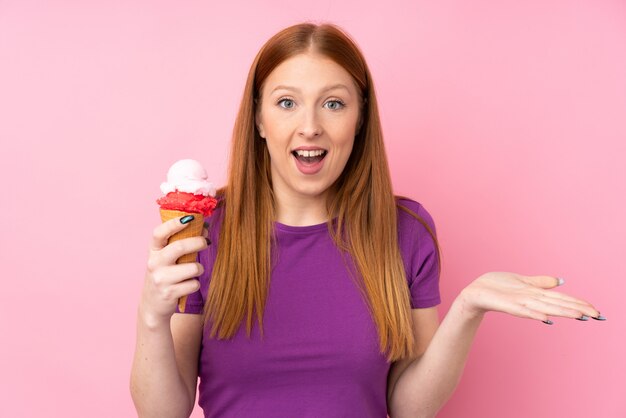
(193, 229)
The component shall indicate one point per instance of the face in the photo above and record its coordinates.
(308, 115)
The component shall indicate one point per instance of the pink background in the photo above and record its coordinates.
(506, 119)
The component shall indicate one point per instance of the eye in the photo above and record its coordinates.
(338, 104)
(289, 101)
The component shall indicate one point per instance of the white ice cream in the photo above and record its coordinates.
(188, 176)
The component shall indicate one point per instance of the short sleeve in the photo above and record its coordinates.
(419, 255)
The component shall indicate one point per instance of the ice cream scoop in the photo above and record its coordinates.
(188, 176)
(187, 191)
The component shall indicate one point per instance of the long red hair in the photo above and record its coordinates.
(362, 200)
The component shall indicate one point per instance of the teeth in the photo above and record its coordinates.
(313, 153)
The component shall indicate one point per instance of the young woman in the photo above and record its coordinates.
(336, 278)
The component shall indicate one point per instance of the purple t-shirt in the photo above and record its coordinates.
(320, 355)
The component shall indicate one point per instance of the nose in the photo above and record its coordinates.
(310, 127)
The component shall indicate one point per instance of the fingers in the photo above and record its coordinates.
(541, 310)
(170, 276)
(173, 251)
(566, 299)
(540, 307)
(559, 304)
(173, 292)
(525, 312)
(544, 282)
(554, 307)
(561, 296)
(176, 249)
(516, 308)
(527, 297)
(581, 308)
(162, 233)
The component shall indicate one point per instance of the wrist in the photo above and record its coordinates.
(466, 307)
(152, 321)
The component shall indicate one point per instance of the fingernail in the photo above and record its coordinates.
(583, 318)
(599, 318)
(561, 281)
(208, 241)
(186, 219)
(548, 322)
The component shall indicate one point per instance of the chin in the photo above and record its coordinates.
(312, 191)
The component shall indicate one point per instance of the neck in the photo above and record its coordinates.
(300, 210)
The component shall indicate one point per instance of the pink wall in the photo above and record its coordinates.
(506, 119)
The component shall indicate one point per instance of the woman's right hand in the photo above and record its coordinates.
(165, 280)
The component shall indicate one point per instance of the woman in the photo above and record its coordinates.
(336, 277)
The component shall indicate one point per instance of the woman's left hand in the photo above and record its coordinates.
(525, 297)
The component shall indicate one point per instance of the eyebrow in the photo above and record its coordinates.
(325, 89)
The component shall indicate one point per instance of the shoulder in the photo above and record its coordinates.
(417, 239)
(410, 212)
(417, 236)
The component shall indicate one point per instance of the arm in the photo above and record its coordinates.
(428, 381)
(165, 366)
(425, 323)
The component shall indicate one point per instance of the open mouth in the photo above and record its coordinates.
(310, 156)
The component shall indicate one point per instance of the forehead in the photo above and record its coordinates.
(308, 72)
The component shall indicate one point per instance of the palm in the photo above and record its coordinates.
(523, 296)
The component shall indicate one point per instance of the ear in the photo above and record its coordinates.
(259, 126)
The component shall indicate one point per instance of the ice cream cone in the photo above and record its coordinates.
(193, 229)
(187, 192)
